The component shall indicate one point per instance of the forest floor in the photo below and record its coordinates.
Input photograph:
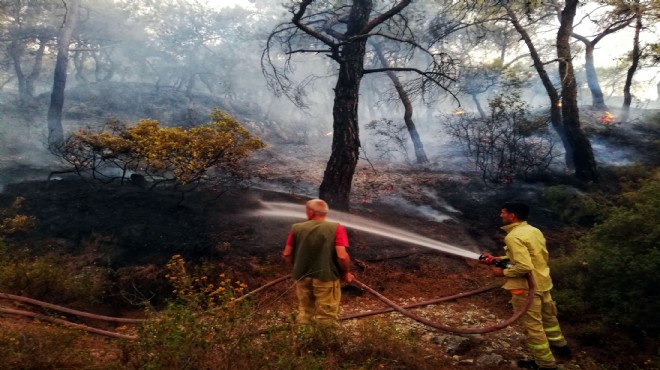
(135, 231)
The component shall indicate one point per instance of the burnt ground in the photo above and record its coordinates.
(134, 231)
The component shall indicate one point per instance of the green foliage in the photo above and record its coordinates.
(572, 206)
(43, 347)
(196, 290)
(569, 278)
(50, 278)
(210, 328)
(625, 260)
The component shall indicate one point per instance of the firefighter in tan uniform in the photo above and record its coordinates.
(525, 247)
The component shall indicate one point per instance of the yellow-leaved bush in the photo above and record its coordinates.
(205, 153)
(12, 222)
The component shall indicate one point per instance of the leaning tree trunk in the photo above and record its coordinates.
(555, 102)
(55, 131)
(336, 186)
(477, 104)
(597, 98)
(583, 156)
(420, 154)
(636, 55)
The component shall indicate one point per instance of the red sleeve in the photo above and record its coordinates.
(341, 238)
(289, 240)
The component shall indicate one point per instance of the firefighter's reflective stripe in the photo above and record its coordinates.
(539, 346)
(541, 351)
(554, 334)
(533, 320)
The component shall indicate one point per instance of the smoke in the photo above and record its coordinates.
(424, 211)
(148, 62)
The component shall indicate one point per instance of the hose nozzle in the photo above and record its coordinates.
(503, 263)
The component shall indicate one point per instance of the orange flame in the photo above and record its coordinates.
(559, 104)
(607, 118)
(458, 112)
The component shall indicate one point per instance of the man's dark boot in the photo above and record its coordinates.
(562, 352)
(531, 364)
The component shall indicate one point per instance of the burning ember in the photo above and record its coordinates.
(558, 104)
(607, 119)
(459, 112)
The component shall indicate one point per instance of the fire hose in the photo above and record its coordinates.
(69, 311)
(392, 307)
(403, 309)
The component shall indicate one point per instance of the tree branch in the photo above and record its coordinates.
(385, 16)
(317, 35)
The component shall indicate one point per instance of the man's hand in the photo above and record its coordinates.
(348, 277)
(486, 257)
(496, 271)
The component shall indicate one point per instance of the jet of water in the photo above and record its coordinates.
(291, 210)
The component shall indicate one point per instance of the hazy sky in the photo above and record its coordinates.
(606, 53)
(225, 3)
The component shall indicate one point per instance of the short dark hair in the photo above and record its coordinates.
(521, 210)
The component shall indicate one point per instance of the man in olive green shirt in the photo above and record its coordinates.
(317, 250)
(526, 250)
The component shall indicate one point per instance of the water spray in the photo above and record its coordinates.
(295, 211)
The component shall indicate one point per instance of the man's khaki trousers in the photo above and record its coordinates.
(318, 301)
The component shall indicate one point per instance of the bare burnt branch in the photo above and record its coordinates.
(310, 26)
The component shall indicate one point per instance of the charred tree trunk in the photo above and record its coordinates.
(55, 131)
(420, 154)
(555, 102)
(636, 55)
(336, 186)
(583, 156)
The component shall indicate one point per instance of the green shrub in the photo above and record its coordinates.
(43, 347)
(572, 206)
(207, 327)
(51, 278)
(569, 275)
(623, 256)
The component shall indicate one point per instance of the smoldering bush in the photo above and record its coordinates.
(510, 143)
